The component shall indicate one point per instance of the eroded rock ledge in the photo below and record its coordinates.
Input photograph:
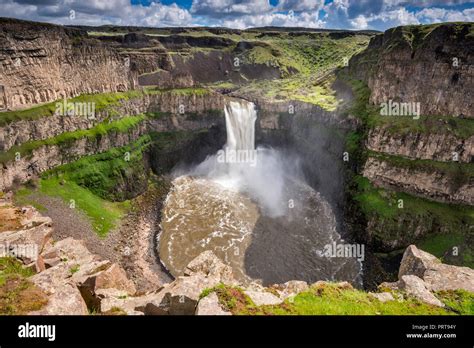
(79, 282)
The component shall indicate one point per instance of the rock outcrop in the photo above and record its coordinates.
(430, 183)
(434, 146)
(396, 61)
(436, 275)
(201, 112)
(421, 274)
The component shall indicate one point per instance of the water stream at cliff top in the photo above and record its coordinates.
(252, 208)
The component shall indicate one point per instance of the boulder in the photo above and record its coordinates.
(416, 287)
(114, 276)
(210, 265)
(291, 288)
(182, 295)
(131, 305)
(28, 238)
(436, 275)
(262, 298)
(382, 296)
(105, 276)
(416, 262)
(210, 305)
(64, 300)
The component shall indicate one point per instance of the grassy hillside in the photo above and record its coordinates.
(306, 64)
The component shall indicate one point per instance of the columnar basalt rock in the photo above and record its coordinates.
(429, 146)
(433, 184)
(396, 61)
(45, 62)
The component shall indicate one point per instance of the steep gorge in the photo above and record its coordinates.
(160, 100)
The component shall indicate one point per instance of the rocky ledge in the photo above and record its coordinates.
(75, 281)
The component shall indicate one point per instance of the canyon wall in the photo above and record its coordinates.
(21, 131)
(432, 65)
(45, 62)
(432, 146)
(414, 175)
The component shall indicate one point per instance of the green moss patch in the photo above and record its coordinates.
(68, 138)
(101, 100)
(103, 214)
(337, 299)
(18, 295)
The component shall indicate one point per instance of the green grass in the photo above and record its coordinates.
(458, 173)
(101, 100)
(385, 204)
(17, 294)
(104, 215)
(197, 91)
(306, 64)
(333, 299)
(103, 174)
(68, 138)
(461, 301)
(447, 225)
(460, 128)
(92, 182)
(11, 266)
(454, 248)
(23, 197)
(370, 116)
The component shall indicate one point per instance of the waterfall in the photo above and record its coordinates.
(240, 119)
(239, 166)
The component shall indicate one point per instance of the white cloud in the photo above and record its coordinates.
(437, 15)
(98, 12)
(339, 14)
(360, 22)
(218, 8)
(300, 5)
(305, 19)
(397, 17)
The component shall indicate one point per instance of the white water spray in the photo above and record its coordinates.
(240, 120)
(239, 166)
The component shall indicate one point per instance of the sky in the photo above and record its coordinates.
(240, 14)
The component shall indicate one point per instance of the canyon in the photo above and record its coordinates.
(161, 100)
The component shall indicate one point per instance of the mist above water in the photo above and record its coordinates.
(260, 172)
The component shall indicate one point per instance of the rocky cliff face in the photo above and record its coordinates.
(432, 184)
(443, 147)
(49, 156)
(425, 162)
(20, 132)
(44, 62)
(432, 65)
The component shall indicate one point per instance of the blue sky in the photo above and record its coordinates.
(337, 14)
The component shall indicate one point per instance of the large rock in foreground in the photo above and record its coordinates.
(183, 294)
(436, 275)
(421, 274)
